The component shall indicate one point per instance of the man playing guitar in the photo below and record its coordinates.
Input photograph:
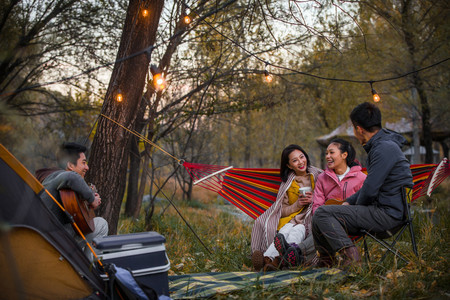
(72, 158)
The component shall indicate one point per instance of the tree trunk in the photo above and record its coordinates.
(426, 117)
(109, 153)
(133, 178)
(409, 35)
(445, 148)
(132, 206)
(247, 140)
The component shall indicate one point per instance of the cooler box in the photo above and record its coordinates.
(143, 253)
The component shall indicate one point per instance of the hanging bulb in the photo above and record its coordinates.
(119, 96)
(268, 77)
(376, 97)
(158, 81)
(187, 19)
(145, 12)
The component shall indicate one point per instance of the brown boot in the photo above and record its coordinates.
(351, 256)
(258, 260)
(272, 265)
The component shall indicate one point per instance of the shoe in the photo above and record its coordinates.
(280, 244)
(273, 265)
(258, 260)
(351, 256)
(293, 256)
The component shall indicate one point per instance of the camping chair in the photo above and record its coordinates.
(395, 232)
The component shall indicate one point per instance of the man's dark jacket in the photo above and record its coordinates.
(387, 171)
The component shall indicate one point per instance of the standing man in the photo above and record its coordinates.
(72, 161)
(378, 205)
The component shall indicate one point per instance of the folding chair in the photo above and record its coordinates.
(395, 232)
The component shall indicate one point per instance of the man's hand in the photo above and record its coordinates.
(97, 201)
(305, 199)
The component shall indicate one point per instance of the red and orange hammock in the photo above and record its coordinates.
(254, 190)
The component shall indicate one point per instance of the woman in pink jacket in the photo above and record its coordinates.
(342, 178)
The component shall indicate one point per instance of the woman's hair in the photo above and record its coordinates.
(345, 146)
(284, 170)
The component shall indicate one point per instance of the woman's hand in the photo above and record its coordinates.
(305, 199)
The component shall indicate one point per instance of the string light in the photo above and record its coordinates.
(158, 79)
(375, 96)
(119, 96)
(267, 76)
(144, 12)
(187, 19)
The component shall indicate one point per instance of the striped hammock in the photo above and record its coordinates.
(253, 190)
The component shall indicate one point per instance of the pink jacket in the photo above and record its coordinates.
(328, 186)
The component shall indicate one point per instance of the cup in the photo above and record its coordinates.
(305, 189)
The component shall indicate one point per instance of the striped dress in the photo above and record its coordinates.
(265, 227)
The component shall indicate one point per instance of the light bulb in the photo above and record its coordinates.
(187, 19)
(268, 77)
(376, 97)
(119, 96)
(158, 81)
(144, 12)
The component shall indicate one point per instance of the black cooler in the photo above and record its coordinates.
(143, 253)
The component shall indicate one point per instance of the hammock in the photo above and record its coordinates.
(253, 190)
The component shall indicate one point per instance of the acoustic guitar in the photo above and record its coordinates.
(82, 213)
(333, 202)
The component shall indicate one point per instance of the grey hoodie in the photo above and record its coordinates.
(61, 179)
(387, 171)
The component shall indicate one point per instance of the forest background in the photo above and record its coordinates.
(64, 63)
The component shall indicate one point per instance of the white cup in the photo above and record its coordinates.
(305, 189)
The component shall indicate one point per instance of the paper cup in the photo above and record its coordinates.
(303, 190)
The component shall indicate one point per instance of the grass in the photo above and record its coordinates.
(227, 237)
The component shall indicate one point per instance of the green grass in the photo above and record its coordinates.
(227, 237)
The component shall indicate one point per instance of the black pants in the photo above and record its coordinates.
(332, 225)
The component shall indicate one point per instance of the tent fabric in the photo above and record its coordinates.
(254, 190)
(21, 206)
(33, 269)
(209, 284)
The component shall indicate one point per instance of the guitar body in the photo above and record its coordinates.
(79, 209)
(334, 202)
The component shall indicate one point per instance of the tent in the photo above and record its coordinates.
(345, 130)
(38, 259)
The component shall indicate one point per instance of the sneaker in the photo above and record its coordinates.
(293, 256)
(280, 244)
